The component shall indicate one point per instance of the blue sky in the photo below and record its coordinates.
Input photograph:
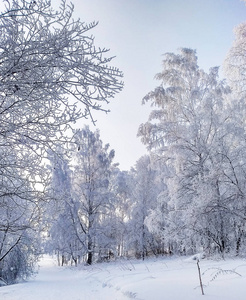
(138, 32)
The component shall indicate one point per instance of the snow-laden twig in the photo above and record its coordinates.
(220, 271)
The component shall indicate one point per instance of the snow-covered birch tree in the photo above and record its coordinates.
(91, 194)
(51, 75)
(144, 195)
(62, 237)
(234, 64)
(194, 130)
(122, 186)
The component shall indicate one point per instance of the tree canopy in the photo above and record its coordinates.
(51, 75)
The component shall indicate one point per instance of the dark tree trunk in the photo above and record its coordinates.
(89, 245)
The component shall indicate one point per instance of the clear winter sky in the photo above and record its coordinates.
(138, 32)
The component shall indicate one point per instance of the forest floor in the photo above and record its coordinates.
(152, 279)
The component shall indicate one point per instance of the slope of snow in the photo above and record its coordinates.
(163, 278)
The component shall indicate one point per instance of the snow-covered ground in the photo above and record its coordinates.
(153, 279)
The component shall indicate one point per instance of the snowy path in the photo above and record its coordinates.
(162, 279)
(59, 283)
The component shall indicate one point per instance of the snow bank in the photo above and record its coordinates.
(158, 279)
